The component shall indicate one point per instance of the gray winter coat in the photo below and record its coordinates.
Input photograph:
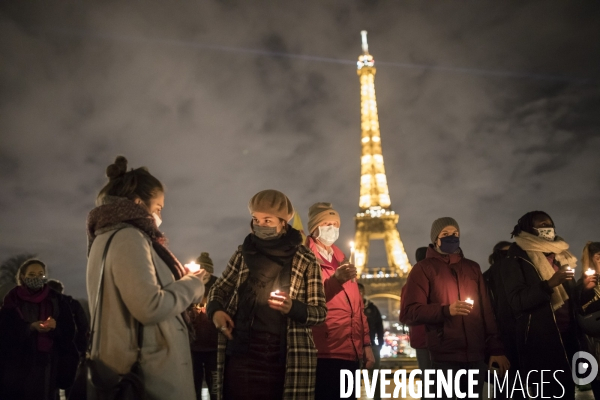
(138, 285)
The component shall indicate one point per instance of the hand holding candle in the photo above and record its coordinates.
(591, 279)
(276, 296)
(193, 267)
(280, 301)
(346, 271)
(570, 271)
(561, 276)
(460, 307)
(48, 324)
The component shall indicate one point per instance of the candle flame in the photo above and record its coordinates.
(192, 266)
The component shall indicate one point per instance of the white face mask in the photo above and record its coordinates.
(157, 219)
(546, 233)
(328, 234)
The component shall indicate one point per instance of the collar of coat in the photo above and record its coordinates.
(337, 253)
(446, 258)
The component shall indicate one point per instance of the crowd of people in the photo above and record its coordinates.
(288, 313)
(519, 317)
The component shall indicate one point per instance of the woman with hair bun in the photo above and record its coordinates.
(143, 283)
(37, 350)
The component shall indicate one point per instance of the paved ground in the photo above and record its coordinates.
(587, 395)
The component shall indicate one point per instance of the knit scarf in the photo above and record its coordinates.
(535, 247)
(265, 260)
(24, 301)
(115, 212)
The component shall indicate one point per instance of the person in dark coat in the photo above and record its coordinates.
(82, 323)
(504, 315)
(540, 290)
(37, 352)
(502, 310)
(446, 292)
(416, 333)
(206, 342)
(492, 280)
(375, 323)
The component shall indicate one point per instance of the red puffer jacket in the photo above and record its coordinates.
(435, 283)
(345, 331)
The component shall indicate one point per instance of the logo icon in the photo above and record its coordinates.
(588, 369)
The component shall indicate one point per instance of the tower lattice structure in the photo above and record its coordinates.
(375, 220)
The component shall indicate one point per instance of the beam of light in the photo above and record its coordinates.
(97, 35)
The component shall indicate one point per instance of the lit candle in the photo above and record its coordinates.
(276, 297)
(570, 270)
(590, 272)
(468, 300)
(193, 267)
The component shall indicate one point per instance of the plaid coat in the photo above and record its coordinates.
(305, 286)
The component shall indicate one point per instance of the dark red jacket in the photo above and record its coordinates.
(435, 283)
(416, 333)
(345, 331)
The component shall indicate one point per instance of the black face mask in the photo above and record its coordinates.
(449, 244)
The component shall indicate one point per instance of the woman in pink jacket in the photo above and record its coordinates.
(343, 340)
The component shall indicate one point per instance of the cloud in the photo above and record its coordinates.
(487, 111)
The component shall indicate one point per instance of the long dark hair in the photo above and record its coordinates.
(136, 183)
(525, 223)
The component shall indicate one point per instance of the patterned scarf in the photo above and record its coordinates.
(117, 211)
(535, 247)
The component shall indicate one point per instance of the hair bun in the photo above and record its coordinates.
(118, 169)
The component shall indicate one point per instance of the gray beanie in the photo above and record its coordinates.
(440, 224)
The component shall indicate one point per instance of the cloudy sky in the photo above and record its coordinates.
(487, 110)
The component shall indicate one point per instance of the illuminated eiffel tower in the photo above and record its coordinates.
(375, 220)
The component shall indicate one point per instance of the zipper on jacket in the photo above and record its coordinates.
(528, 326)
(551, 310)
(463, 318)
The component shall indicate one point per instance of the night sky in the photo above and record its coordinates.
(487, 110)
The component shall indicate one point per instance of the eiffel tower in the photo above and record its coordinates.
(376, 220)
